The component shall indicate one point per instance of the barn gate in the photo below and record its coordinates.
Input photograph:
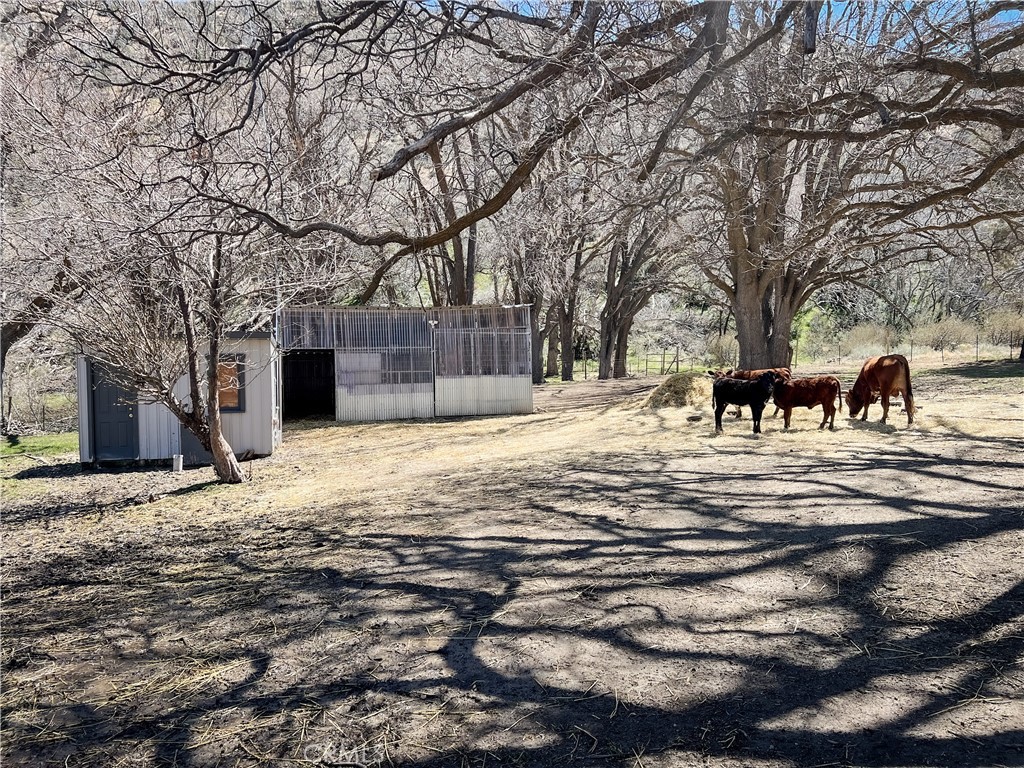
(411, 363)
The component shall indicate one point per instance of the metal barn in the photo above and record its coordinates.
(374, 364)
(115, 426)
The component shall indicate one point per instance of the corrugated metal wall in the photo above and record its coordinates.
(482, 362)
(84, 409)
(253, 428)
(158, 432)
(410, 363)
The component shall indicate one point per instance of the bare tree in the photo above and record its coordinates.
(399, 130)
(828, 181)
(161, 271)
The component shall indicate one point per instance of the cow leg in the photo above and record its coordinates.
(885, 407)
(786, 413)
(739, 412)
(719, 410)
(865, 416)
(829, 415)
(755, 414)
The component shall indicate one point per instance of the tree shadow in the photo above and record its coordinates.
(50, 471)
(985, 369)
(745, 609)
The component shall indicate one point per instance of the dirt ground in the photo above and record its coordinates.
(595, 583)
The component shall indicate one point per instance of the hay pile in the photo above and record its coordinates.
(691, 388)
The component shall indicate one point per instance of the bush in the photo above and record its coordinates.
(946, 334)
(870, 337)
(1004, 328)
(821, 336)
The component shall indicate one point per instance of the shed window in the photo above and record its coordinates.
(231, 382)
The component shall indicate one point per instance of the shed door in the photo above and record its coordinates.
(114, 412)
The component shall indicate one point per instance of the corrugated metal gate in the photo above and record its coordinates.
(482, 362)
(404, 363)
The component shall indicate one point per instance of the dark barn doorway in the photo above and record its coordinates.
(307, 383)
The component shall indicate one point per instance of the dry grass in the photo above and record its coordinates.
(593, 582)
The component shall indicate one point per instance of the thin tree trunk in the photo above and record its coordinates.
(606, 348)
(565, 336)
(538, 341)
(471, 244)
(224, 461)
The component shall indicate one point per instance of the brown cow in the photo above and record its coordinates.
(807, 393)
(735, 373)
(882, 375)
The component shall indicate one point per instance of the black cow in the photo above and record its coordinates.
(754, 393)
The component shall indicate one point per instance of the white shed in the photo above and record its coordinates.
(115, 426)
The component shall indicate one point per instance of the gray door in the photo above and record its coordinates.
(114, 418)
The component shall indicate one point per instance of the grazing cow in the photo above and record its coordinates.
(735, 373)
(882, 375)
(727, 391)
(807, 393)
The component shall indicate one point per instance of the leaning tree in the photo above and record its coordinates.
(161, 270)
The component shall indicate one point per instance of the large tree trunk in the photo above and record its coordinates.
(780, 347)
(551, 369)
(619, 369)
(748, 311)
(764, 333)
(606, 348)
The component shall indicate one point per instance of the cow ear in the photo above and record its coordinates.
(712, 374)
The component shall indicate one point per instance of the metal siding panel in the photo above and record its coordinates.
(253, 428)
(84, 410)
(261, 417)
(152, 429)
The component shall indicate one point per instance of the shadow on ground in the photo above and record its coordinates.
(723, 609)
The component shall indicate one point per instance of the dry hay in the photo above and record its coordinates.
(682, 389)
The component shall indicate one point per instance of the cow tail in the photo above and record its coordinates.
(910, 395)
(840, 396)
